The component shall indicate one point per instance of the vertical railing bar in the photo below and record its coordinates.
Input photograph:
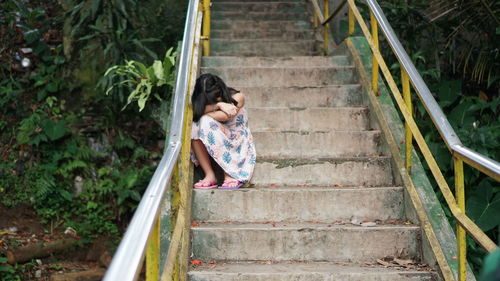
(325, 27)
(461, 234)
(405, 81)
(351, 20)
(374, 26)
(153, 253)
(206, 27)
(315, 20)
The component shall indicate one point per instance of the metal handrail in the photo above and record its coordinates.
(479, 161)
(459, 152)
(127, 261)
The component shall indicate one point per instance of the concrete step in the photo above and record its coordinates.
(298, 204)
(302, 242)
(270, 47)
(305, 62)
(259, 16)
(359, 171)
(257, 26)
(263, 34)
(304, 271)
(300, 97)
(260, 6)
(290, 144)
(284, 76)
(308, 119)
(259, 1)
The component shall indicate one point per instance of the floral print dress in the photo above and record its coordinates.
(229, 143)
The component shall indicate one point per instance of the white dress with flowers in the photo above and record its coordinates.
(229, 143)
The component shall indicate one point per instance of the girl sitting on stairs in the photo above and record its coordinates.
(220, 131)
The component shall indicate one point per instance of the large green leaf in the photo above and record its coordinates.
(482, 209)
(54, 130)
(449, 91)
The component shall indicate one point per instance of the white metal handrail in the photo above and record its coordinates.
(127, 261)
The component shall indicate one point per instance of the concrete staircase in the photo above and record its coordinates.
(322, 169)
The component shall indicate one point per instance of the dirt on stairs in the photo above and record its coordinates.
(323, 204)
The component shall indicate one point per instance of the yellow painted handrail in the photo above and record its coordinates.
(460, 154)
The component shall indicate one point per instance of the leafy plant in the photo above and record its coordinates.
(7, 272)
(144, 81)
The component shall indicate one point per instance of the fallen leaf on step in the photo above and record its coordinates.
(384, 263)
(194, 224)
(272, 185)
(196, 262)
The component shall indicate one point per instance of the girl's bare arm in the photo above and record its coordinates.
(211, 108)
(218, 115)
(240, 98)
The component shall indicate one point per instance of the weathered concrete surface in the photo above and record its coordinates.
(317, 144)
(270, 7)
(324, 172)
(308, 119)
(260, 1)
(251, 25)
(298, 204)
(283, 76)
(300, 271)
(313, 136)
(302, 242)
(301, 97)
(269, 34)
(259, 16)
(270, 47)
(290, 61)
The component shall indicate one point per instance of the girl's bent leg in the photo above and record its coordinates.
(201, 153)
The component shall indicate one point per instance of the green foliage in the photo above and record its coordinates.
(112, 32)
(64, 155)
(144, 81)
(458, 36)
(483, 207)
(7, 272)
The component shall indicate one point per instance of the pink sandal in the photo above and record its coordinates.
(205, 184)
(226, 184)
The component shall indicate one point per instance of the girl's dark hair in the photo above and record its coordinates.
(207, 90)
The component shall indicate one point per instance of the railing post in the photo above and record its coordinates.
(326, 12)
(351, 20)
(315, 22)
(374, 25)
(407, 98)
(206, 27)
(460, 197)
(153, 253)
